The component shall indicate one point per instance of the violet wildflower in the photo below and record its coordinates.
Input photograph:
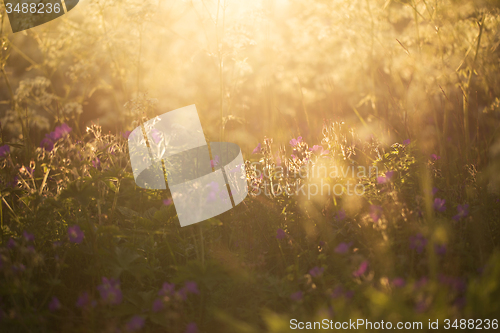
(315, 148)
(297, 296)
(398, 282)
(110, 291)
(341, 215)
(126, 134)
(386, 178)
(439, 204)
(135, 324)
(343, 247)
(4, 150)
(11, 243)
(362, 269)
(54, 304)
(167, 289)
(434, 191)
(47, 144)
(435, 157)
(280, 234)
(418, 242)
(29, 237)
(167, 202)
(157, 305)
(257, 149)
(75, 234)
(60, 131)
(463, 211)
(83, 300)
(375, 213)
(295, 142)
(316, 271)
(407, 142)
(191, 287)
(191, 328)
(440, 249)
(337, 292)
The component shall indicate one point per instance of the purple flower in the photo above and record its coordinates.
(11, 243)
(167, 202)
(215, 161)
(75, 234)
(435, 157)
(343, 247)
(362, 269)
(315, 148)
(295, 142)
(375, 212)
(135, 323)
(407, 142)
(110, 291)
(54, 304)
(439, 204)
(418, 242)
(155, 135)
(440, 249)
(126, 134)
(83, 300)
(60, 132)
(29, 237)
(280, 234)
(47, 144)
(191, 328)
(158, 305)
(191, 287)
(386, 178)
(96, 163)
(257, 149)
(434, 191)
(398, 282)
(341, 215)
(316, 271)
(337, 292)
(4, 150)
(463, 211)
(167, 289)
(297, 296)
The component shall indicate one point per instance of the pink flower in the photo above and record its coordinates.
(280, 234)
(418, 242)
(158, 305)
(463, 211)
(54, 304)
(341, 215)
(167, 289)
(75, 234)
(4, 150)
(316, 271)
(398, 282)
(386, 178)
(83, 300)
(375, 212)
(295, 142)
(439, 204)
(110, 291)
(191, 287)
(167, 202)
(362, 269)
(435, 157)
(407, 142)
(135, 324)
(29, 237)
(257, 149)
(215, 161)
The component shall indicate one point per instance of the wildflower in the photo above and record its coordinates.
(463, 211)
(29, 237)
(155, 135)
(215, 161)
(158, 305)
(418, 242)
(362, 269)
(191, 328)
(386, 178)
(167, 202)
(297, 296)
(257, 149)
(341, 215)
(280, 234)
(439, 204)
(135, 324)
(434, 191)
(11, 243)
(440, 249)
(54, 304)
(398, 282)
(167, 289)
(126, 134)
(47, 144)
(316, 271)
(295, 142)
(191, 287)
(375, 212)
(4, 150)
(110, 291)
(59, 132)
(435, 157)
(83, 300)
(421, 283)
(30, 249)
(343, 247)
(75, 234)
(407, 142)
(315, 148)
